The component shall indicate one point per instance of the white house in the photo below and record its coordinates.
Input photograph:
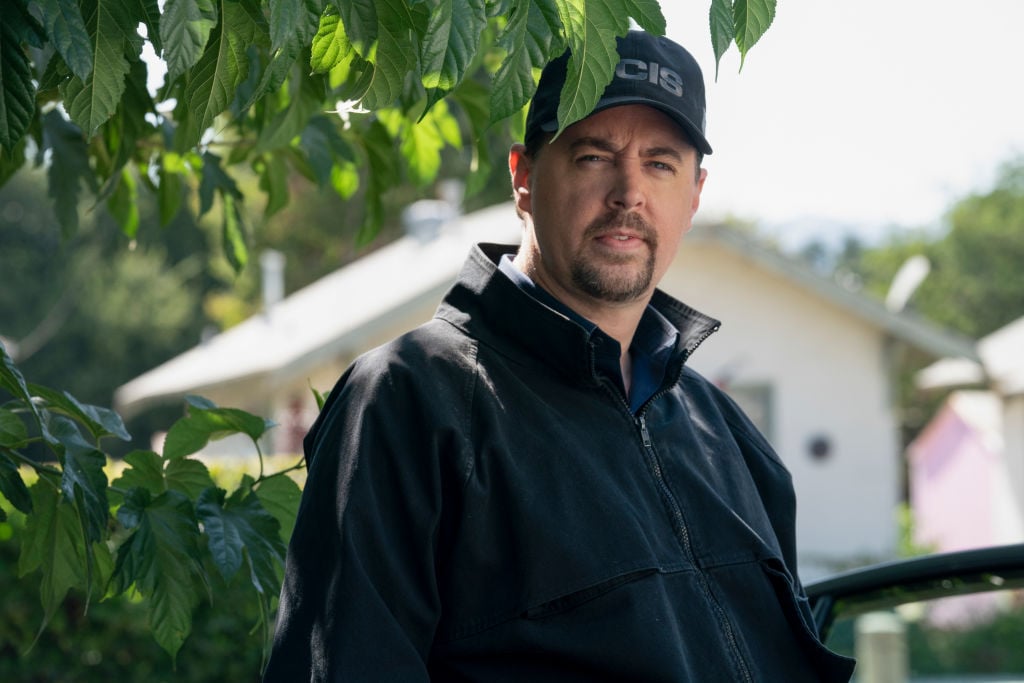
(811, 362)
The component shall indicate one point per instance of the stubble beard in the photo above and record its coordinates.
(611, 278)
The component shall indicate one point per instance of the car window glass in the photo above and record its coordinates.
(971, 638)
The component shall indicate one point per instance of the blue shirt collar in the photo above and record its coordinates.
(651, 349)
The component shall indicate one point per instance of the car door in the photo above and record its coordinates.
(935, 618)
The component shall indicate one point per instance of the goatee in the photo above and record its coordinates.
(611, 278)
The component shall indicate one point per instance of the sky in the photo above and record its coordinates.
(864, 117)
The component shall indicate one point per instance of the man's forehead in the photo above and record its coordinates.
(619, 126)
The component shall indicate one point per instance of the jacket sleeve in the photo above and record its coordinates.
(359, 600)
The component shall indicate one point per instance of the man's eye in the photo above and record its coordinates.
(662, 166)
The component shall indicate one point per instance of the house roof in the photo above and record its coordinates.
(904, 325)
(979, 411)
(327, 317)
(1000, 364)
(336, 313)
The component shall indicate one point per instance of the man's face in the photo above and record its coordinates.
(605, 206)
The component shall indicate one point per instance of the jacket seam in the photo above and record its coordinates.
(478, 626)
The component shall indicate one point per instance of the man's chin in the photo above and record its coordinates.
(613, 287)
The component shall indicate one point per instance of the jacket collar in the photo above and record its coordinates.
(490, 307)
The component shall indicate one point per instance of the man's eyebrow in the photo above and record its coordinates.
(595, 142)
(606, 146)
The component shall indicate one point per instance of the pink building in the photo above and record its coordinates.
(960, 489)
(961, 492)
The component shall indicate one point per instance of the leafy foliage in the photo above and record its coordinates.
(163, 531)
(251, 84)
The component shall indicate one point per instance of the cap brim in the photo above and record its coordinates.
(691, 130)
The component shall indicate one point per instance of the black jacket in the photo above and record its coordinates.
(483, 506)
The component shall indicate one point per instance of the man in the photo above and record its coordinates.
(534, 486)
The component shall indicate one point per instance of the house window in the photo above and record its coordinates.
(756, 402)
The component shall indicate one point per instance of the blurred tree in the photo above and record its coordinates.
(88, 297)
(976, 283)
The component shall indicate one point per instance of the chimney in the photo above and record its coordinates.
(272, 273)
(425, 218)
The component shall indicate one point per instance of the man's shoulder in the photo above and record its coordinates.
(433, 347)
(703, 392)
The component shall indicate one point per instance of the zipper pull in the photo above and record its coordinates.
(643, 431)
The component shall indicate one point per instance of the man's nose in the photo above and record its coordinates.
(627, 191)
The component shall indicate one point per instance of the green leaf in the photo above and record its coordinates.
(513, 83)
(285, 15)
(215, 180)
(130, 125)
(646, 13)
(11, 161)
(12, 381)
(51, 542)
(83, 480)
(752, 18)
(282, 61)
(149, 12)
(290, 122)
(274, 183)
(68, 169)
(169, 191)
(280, 496)
(11, 378)
(124, 204)
(380, 152)
(17, 92)
(210, 85)
(449, 44)
(54, 74)
(101, 422)
(233, 235)
(360, 19)
(324, 149)
(13, 433)
(591, 27)
(723, 28)
(242, 529)
(292, 20)
(67, 32)
(422, 143)
(145, 471)
(161, 558)
(330, 44)
(471, 98)
(23, 24)
(185, 28)
(206, 422)
(189, 476)
(392, 59)
(345, 179)
(12, 486)
(91, 101)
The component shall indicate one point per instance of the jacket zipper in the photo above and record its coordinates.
(684, 536)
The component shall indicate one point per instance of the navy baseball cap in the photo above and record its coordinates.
(652, 70)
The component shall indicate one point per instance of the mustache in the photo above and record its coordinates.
(621, 219)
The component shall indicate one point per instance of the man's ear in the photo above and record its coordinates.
(519, 166)
(695, 203)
